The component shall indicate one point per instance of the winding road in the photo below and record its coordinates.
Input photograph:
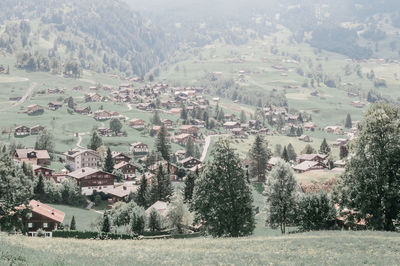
(23, 99)
(207, 145)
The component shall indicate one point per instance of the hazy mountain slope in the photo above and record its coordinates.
(99, 34)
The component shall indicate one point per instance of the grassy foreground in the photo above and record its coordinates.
(316, 248)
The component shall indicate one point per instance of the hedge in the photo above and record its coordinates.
(91, 235)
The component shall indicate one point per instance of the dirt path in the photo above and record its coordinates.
(207, 145)
(129, 106)
(23, 99)
(78, 144)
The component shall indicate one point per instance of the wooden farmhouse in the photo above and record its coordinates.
(139, 149)
(46, 172)
(91, 180)
(80, 158)
(121, 192)
(34, 109)
(189, 129)
(137, 123)
(43, 217)
(22, 131)
(36, 130)
(120, 157)
(34, 157)
(54, 106)
(128, 169)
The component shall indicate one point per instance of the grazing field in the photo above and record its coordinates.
(314, 248)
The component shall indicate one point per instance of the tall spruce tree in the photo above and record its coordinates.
(189, 185)
(109, 162)
(162, 143)
(190, 148)
(39, 189)
(156, 120)
(106, 224)
(371, 180)
(73, 224)
(161, 187)
(95, 141)
(285, 155)
(243, 117)
(343, 152)
(142, 196)
(348, 123)
(291, 152)
(280, 196)
(324, 148)
(308, 149)
(259, 156)
(222, 198)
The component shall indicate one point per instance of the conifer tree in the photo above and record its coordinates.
(142, 196)
(138, 220)
(348, 123)
(162, 143)
(39, 188)
(190, 149)
(280, 196)
(106, 226)
(156, 120)
(154, 220)
(259, 156)
(343, 152)
(308, 149)
(222, 198)
(291, 152)
(285, 155)
(324, 148)
(73, 224)
(189, 185)
(95, 141)
(243, 118)
(161, 187)
(109, 162)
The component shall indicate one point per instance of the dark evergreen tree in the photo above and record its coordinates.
(109, 162)
(343, 152)
(259, 156)
(324, 148)
(106, 226)
(39, 189)
(222, 198)
(189, 185)
(308, 149)
(142, 196)
(285, 155)
(156, 120)
(73, 224)
(161, 187)
(348, 123)
(162, 143)
(154, 220)
(95, 141)
(190, 149)
(291, 152)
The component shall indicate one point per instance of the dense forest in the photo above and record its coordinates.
(100, 35)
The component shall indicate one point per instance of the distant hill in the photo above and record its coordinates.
(101, 35)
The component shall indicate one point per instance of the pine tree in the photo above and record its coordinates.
(280, 196)
(259, 156)
(348, 123)
(343, 152)
(156, 120)
(184, 115)
(161, 187)
(308, 149)
(154, 220)
(73, 224)
(324, 148)
(291, 152)
(109, 162)
(106, 226)
(243, 118)
(138, 220)
(189, 185)
(95, 141)
(142, 196)
(162, 143)
(371, 180)
(222, 198)
(39, 188)
(189, 148)
(285, 155)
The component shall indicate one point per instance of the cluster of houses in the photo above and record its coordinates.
(22, 131)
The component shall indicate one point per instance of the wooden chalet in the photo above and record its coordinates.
(306, 166)
(105, 132)
(36, 130)
(305, 138)
(128, 169)
(231, 125)
(43, 217)
(55, 105)
(189, 129)
(91, 180)
(82, 110)
(167, 167)
(121, 192)
(101, 115)
(46, 172)
(22, 131)
(92, 97)
(167, 123)
(34, 157)
(191, 163)
(137, 123)
(139, 149)
(120, 157)
(312, 157)
(34, 109)
(182, 139)
(160, 206)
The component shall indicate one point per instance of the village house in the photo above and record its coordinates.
(101, 115)
(121, 192)
(160, 206)
(339, 142)
(80, 158)
(55, 105)
(189, 129)
(182, 139)
(231, 125)
(305, 138)
(312, 157)
(334, 129)
(198, 123)
(167, 123)
(22, 131)
(239, 132)
(175, 111)
(306, 166)
(139, 149)
(357, 104)
(120, 157)
(38, 157)
(34, 109)
(91, 180)
(44, 171)
(105, 132)
(82, 110)
(191, 163)
(180, 155)
(309, 126)
(137, 123)
(144, 106)
(92, 97)
(55, 91)
(170, 168)
(43, 217)
(36, 130)
(128, 169)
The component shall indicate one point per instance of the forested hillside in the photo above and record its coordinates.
(67, 36)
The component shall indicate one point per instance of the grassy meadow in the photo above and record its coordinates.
(314, 248)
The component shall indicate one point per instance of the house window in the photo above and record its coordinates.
(45, 225)
(30, 225)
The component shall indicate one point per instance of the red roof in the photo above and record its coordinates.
(47, 211)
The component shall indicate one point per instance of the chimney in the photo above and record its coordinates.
(124, 188)
(83, 170)
(52, 211)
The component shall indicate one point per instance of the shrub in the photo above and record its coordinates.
(91, 235)
(315, 212)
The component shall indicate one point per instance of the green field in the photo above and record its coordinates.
(314, 248)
